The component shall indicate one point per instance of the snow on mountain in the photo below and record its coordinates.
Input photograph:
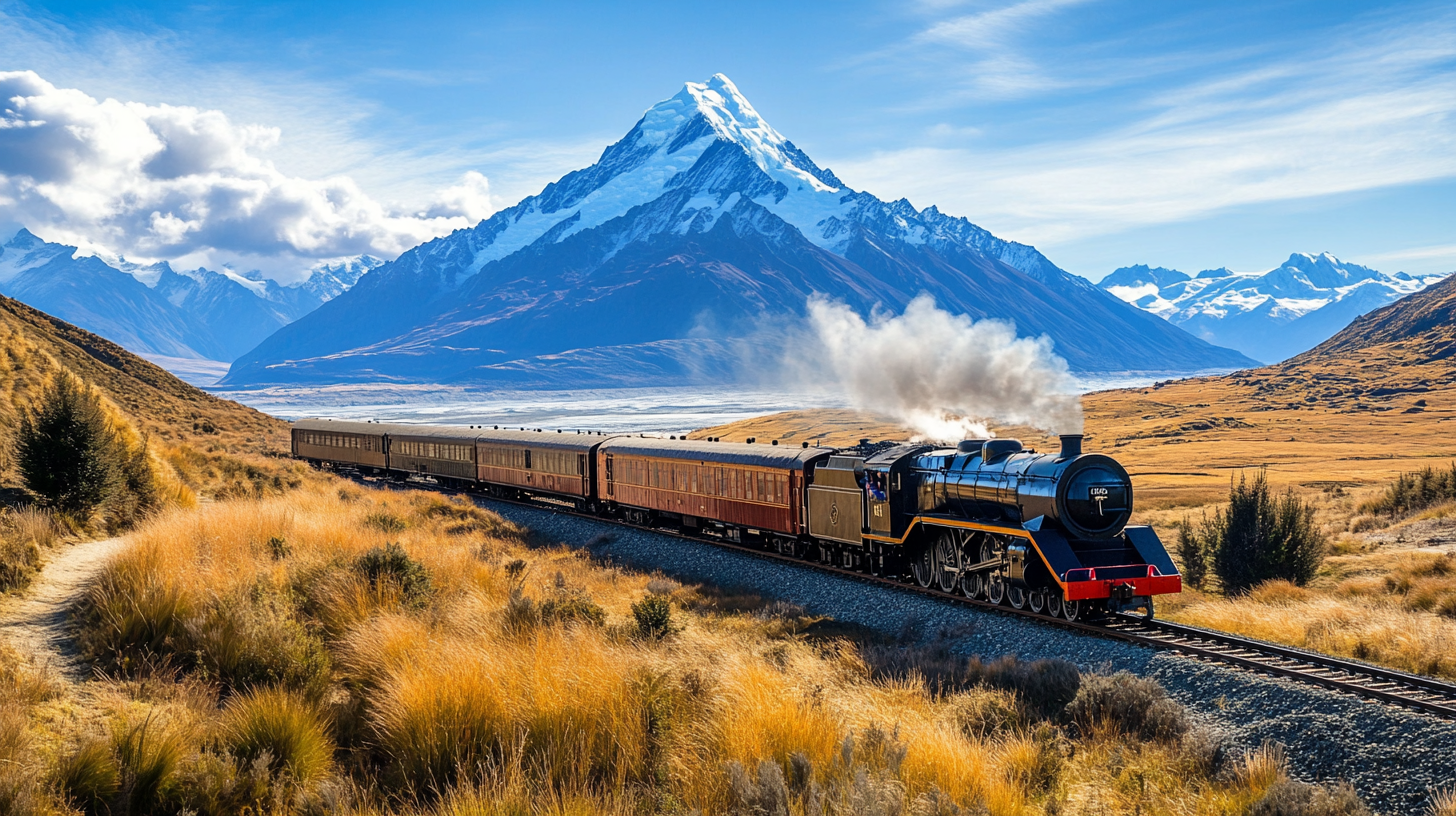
(1270, 315)
(155, 310)
(701, 222)
(329, 279)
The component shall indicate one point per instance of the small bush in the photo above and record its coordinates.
(385, 522)
(1129, 704)
(392, 564)
(1043, 687)
(255, 639)
(1412, 492)
(762, 794)
(572, 607)
(1191, 555)
(89, 777)
(1261, 537)
(654, 617)
(281, 728)
(1290, 798)
(985, 713)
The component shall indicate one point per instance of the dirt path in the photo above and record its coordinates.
(35, 623)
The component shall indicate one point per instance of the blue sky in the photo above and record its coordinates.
(1104, 133)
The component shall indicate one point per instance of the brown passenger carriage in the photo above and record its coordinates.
(538, 462)
(360, 444)
(740, 486)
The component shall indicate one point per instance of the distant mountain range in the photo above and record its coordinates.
(1270, 316)
(703, 225)
(158, 311)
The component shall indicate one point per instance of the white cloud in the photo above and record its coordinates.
(1372, 108)
(164, 181)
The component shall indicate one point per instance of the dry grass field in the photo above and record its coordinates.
(1336, 424)
(339, 650)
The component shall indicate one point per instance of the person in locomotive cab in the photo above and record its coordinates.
(873, 489)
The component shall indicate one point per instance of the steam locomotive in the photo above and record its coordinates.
(987, 519)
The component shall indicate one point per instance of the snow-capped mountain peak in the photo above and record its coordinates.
(733, 118)
(26, 251)
(1269, 315)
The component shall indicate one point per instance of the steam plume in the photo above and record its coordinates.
(945, 375)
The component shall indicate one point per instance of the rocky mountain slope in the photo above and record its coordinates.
(1270, 316)
(702, 225)
(156, 310)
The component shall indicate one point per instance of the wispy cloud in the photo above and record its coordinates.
(1369, 107)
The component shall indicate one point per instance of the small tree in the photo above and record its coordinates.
(1192, 555)
(66, 449)
(1261, 537)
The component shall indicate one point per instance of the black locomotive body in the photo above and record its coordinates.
(987, 519)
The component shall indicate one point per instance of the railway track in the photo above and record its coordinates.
(1352, 677)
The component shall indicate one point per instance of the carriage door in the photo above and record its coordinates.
(581, 471)
(529, 476)
(609, 475)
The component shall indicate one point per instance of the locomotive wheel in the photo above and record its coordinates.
(947, 563)
(1017, 597)
(1074, 610)
(923, 568)
(1038, 601)
(1054, 603)
(995, 589)
(973, 586)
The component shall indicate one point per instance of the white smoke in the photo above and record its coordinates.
(945, 375)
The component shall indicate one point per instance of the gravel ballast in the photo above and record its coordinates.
(1393, 756)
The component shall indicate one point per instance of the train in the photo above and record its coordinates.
(988, 519)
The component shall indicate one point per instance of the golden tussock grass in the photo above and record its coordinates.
(1365, 628)
(300, 653)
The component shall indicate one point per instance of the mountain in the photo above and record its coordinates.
(1417, 330)
(1269, 316)
(701, 225)
(158, 311)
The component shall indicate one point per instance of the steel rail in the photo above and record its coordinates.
(1412, 691)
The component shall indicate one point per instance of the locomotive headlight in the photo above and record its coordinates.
(1096, 498)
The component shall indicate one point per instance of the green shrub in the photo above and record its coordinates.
(1261, 537)
(1415, 491)
(255, 639)
(66, 449)
(1128, 703)
(89, 777)
(385, 522)
(572, 607)
(391, 563)
(1043, 687)
(654, 617)
(283, 729)
(1192, 555)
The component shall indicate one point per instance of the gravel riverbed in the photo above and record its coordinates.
(1393, 756)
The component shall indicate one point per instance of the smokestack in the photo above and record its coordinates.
(1071, 446)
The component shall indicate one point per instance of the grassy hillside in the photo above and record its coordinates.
(338, 650)
(209, 443)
